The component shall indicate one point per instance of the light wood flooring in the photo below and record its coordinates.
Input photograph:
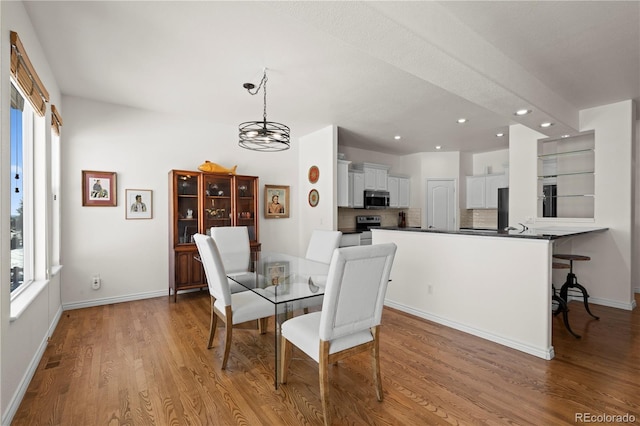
(146, 363)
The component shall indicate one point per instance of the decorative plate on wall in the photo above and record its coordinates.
(314, 174)
(314, 198)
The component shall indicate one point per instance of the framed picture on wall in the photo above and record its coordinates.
(98, 189)
(276, 202)
(139, 204)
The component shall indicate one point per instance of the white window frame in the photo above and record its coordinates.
(28, 241)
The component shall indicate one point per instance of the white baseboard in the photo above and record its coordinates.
(112, 300)
(606, 302)
(544, 353)
(14, 404)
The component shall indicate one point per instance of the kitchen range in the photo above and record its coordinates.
(364, 225)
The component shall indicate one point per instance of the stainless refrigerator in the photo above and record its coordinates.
(503, 208)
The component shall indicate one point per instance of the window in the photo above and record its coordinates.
(21, 218)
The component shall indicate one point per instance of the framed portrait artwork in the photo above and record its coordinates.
(98, 189)
(276, 202)
(277, 276)
(139, 204)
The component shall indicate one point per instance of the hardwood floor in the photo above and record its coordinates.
(146, 363)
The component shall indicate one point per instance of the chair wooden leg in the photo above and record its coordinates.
(285, 359)
(323, 368)
(375, 359)
(228, 336)
(213, 324)
(262, 325)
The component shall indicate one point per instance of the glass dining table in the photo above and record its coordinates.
(290, 283)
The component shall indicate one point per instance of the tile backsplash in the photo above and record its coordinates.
(389, 217)
(479, 218)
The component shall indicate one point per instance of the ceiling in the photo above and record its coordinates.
(375, 69)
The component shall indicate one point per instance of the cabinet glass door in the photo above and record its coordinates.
(187, 207)
(246, 204)
(217, 206)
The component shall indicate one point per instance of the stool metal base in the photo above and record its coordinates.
(562, 307)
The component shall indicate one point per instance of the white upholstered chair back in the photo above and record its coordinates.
(213, 268)
(233, 240)
(322, 244)
(355, 291)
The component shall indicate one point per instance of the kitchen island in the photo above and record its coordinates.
(495, 285)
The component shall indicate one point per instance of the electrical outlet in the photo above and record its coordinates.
(95, 282)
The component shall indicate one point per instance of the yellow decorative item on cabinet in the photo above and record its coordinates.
(210, 167)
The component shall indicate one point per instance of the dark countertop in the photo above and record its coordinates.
(541, 233)
(349, 231)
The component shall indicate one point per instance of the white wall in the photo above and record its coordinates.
(429, 281)
(131, 256)
(23, 340)
(614, 131)
(523, 173)
(357, 155)
(319, 149)
(635, 252)
(608, 275)
(491, 162)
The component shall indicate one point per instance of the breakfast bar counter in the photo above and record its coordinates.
(540, 233)
(495, 285)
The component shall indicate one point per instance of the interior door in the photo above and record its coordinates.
(441, 204)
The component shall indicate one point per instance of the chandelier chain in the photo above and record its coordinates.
(263, 82)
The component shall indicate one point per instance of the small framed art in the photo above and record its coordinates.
(98, 189)
(276, 202)
(139, 204)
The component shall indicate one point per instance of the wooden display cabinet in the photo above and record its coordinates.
(197, 202)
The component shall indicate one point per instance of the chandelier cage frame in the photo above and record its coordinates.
(263, 136)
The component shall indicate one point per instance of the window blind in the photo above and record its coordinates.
(26, 76)
(56, 120)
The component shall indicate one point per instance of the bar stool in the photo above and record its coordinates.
(572, 280)
(562, 304)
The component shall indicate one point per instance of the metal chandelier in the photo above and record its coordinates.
(266, 136)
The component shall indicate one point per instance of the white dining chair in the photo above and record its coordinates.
(235, 249)
(231, 308)
(322, 244)
(350, 317)
(320, 249)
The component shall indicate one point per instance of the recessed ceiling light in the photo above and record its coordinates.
(462, 120)
(565, 136)
(438, 147)
(546, 124)
(397, 137)
(523, 111)
(499, 135)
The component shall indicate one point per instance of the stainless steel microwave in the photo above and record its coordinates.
(376, 199)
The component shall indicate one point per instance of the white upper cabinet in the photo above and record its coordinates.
(343, 183)
(375, 176)
(494, 182)
(356, 194)
(398, 187)
(482, 191)
(403, 195)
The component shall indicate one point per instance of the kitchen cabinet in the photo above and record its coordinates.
(348, 240)
(343, 183)
(356, 189)
(482, 191)
(375, 176)
(197, 202)
(398, 187)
